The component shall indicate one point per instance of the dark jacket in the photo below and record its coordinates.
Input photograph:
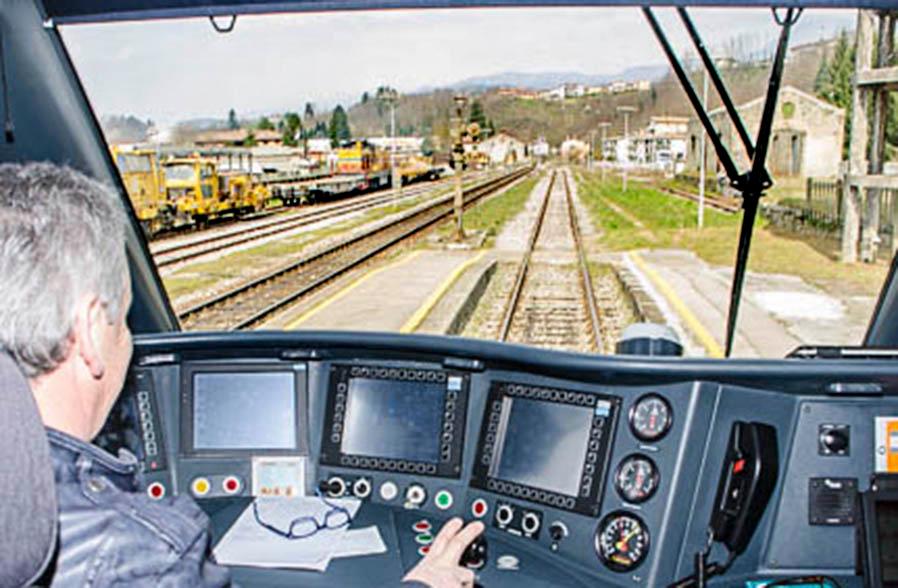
(112, 535)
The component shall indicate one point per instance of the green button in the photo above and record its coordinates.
(424, 538)
(443, 499)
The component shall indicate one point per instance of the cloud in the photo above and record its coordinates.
(176, 69)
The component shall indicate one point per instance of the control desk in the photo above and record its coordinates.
(586, 471)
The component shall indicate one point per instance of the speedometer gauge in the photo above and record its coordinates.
(651, 417)
(636, 479)
(622, 541)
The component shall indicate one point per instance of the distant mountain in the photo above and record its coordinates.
(546, 80)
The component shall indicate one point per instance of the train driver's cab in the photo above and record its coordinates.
(552, 339)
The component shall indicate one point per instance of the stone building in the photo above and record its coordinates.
(503, 148)
(806, 141)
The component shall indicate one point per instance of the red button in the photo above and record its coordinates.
(156, 490)
(231, 485)
(421, 526)
(423, 550)
(738, 466)
(479, 508)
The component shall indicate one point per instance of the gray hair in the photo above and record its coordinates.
(61, 237)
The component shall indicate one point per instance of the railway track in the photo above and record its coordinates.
(252, 303)
(552, 303)
(171, 254)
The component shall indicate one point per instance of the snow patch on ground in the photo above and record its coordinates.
(800, 305)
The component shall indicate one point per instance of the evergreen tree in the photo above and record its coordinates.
(310, 112)
(320, 130)
(292, 128)
(232, 120)
(365, 97)
(338, 130)
(477, 115)
(265, 124)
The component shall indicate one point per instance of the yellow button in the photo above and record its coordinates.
(200, 486)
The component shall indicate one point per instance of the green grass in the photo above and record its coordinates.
(669, 222)
(491, 215)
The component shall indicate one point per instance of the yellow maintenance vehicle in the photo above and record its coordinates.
(196, 191)
(143, 180)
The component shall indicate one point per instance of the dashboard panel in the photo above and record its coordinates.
(584, 469)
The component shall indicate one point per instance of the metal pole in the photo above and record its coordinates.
(396, 185)
(626, 146)
(604, 127)
(701, 172)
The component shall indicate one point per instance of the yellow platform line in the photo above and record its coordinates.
(416, 319)
(701, 333)
(345, 291)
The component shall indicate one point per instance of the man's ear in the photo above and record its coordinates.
(89, 319)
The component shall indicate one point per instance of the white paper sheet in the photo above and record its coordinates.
(358, 542)
(249, 544)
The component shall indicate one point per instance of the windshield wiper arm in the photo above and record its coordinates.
(753, 183)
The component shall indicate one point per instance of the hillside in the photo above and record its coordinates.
(426, 114)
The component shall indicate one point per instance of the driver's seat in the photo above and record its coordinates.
(28, 513)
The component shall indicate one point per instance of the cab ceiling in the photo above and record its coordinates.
(70, 11)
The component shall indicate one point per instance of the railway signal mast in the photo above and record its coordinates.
(390, 97)
(604, 126)
(458, 157)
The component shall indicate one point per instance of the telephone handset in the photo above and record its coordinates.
(746, 484)
(747, 480)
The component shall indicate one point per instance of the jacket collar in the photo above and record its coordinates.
(80, 453)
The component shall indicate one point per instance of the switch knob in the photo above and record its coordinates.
(834, 440)
(504, 514)
(415, 495)
(333, 487)
(557, 531)
(530, 523)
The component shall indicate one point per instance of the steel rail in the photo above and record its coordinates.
(518, 288)
(585, 276)
(431, 212)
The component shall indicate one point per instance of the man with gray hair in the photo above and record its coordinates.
(65, 293)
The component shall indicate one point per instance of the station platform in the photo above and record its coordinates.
(397, 297)
(777, 314)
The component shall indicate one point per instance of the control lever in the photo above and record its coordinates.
(474, 557)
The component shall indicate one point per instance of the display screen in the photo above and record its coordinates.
(887, 531)
(544, 445)
(393, 419)
(244, 410)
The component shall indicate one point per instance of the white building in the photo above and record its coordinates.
(503, 148)
(540, 148)
(405, 146)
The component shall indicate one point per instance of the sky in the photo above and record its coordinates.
(181, 69)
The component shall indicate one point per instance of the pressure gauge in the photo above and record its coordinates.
(651, 417)
(622, 541)
(636, 479)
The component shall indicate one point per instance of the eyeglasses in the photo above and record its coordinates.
(306, 526)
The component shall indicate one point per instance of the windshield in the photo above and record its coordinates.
(134, 163)
(592, 197)
(182, 172)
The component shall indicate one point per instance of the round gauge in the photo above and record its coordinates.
(622, 541)
(636, 479)
(651, 417)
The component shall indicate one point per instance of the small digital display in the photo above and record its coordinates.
(244, 411)
(887, 531)
(393, 419)
(543, 445)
